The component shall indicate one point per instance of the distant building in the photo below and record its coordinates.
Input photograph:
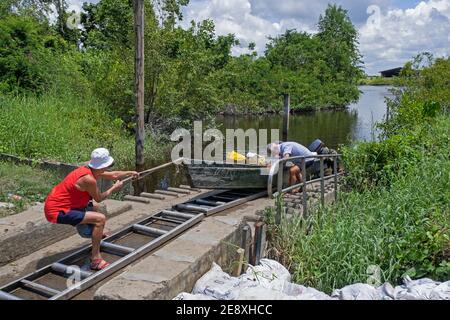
(391, 72)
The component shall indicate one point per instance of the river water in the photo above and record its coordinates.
(334, 128)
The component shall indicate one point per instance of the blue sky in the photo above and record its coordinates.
(391, 32)
(404, 4)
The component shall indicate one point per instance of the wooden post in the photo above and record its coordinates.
(287, 111)
(335, 179)
(139, 85)
(259, 243)
(305, 197)
(237, 270)
(139, 79)
(322, 184)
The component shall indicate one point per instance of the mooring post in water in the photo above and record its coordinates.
(287, 111)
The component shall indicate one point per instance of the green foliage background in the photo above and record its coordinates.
(190, 73)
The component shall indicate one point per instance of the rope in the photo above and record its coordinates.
(145, 173)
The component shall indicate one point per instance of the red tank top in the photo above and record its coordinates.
(66, 196)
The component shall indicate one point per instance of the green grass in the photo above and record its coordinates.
(65, 128)
(31, 184)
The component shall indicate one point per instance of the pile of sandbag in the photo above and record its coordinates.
(271, 281)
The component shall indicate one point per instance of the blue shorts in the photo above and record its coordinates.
(73, 216)
(298, 162)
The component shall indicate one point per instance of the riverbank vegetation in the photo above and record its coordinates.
(393, 216)
(190, 72)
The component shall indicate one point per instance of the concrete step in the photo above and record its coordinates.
(137, 199)
(178, 190)
(28, 231)
(183, 186)
(152, 196)
(168, 193)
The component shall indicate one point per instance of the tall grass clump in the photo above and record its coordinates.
(64, 128)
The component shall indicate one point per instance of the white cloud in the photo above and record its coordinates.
(238, 17)
(233, 16)
(401, 34)
(390, 41)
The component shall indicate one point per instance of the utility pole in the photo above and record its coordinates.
(139, 80)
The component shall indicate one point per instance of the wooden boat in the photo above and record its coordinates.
(226, 176)
(235, 175)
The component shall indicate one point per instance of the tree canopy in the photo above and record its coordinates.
(190, 72)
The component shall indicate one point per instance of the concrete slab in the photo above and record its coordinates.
(28, 231)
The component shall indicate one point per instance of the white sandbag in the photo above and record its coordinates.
(441, 292)
(300, 292)
(386, 291)
(357, 291)
(217, 284)
(313, 294)
(293, 289)
(271, 281)
(188, 296)
(260, 293)
(269, 274)
(420, 289)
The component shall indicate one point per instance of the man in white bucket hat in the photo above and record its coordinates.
(70, 202)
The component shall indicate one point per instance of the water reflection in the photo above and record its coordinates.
(332, 127)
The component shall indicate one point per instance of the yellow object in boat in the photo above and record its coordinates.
(261, 161)
(233, 155)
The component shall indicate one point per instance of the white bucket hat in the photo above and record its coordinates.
(100, 159)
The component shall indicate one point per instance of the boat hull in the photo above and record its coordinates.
(227, 176)
(235, 175)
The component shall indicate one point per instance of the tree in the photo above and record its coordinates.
(38, 9)
(339, 47)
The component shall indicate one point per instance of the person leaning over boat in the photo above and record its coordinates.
(291, 149)
(70, 201)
